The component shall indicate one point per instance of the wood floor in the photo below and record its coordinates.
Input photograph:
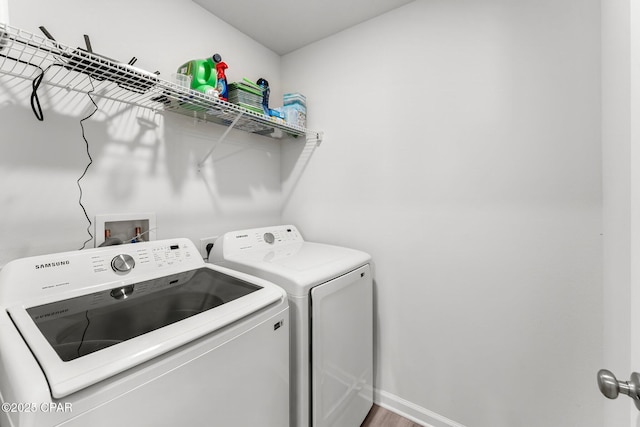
(380, 417)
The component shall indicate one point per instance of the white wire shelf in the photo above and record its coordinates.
(26, 55)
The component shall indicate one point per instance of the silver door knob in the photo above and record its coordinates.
(611, 387)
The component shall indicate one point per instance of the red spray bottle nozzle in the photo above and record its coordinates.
(220, 67)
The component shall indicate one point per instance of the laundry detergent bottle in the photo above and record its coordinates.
(204, 76)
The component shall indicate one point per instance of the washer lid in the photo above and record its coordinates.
(87, 338)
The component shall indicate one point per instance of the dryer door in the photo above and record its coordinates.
(342, 349)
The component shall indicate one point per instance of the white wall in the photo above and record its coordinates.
(142, 162)
(616, 127)
(462, 150)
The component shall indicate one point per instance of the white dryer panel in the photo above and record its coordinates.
(342, 361)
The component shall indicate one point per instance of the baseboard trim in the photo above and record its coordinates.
(411, 411)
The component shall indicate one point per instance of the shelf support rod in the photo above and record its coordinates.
(222, 138)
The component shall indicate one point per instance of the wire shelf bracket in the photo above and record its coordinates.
(220, 140)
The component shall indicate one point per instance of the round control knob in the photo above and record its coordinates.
(269, 238)
(121, 293)
(122, 263)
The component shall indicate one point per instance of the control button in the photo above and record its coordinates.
(122, 263)
(121, 293)
(269, 238)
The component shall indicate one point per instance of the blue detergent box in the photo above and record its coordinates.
(295, 109)
(295, 115)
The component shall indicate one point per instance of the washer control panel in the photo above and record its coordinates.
(48, 275)
(145, 255)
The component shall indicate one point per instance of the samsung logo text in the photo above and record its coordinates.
(52, 264)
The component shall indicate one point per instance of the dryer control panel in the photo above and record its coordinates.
(256, 238)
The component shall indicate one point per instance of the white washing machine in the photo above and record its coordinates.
(142, 334)
(331, 303)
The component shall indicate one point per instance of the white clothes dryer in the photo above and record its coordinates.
(331, 302)
(142, 334)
